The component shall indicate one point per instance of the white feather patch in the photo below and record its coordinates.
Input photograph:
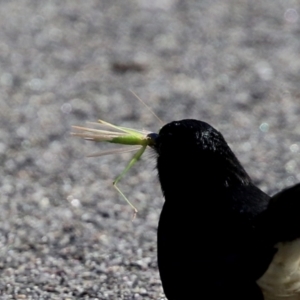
(282, 279)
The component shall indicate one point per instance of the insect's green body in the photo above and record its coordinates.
(130, 140)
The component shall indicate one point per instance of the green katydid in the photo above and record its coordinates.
(120, 135)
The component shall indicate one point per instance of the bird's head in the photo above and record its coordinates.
(193, 152)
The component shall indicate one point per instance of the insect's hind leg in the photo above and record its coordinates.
(134, 159)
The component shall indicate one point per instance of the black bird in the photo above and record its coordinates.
(220, 236)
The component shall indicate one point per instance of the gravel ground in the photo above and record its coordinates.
(65, 233)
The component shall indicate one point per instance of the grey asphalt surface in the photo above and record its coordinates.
(64, 231)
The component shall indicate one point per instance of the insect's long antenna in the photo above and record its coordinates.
(147, 106)
(134, 159)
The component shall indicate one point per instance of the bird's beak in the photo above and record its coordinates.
(152, 137)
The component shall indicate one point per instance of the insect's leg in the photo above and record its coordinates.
(134, 159)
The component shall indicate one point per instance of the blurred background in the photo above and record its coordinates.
(65, 233)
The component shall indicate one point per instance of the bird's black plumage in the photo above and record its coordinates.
(211, 236)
